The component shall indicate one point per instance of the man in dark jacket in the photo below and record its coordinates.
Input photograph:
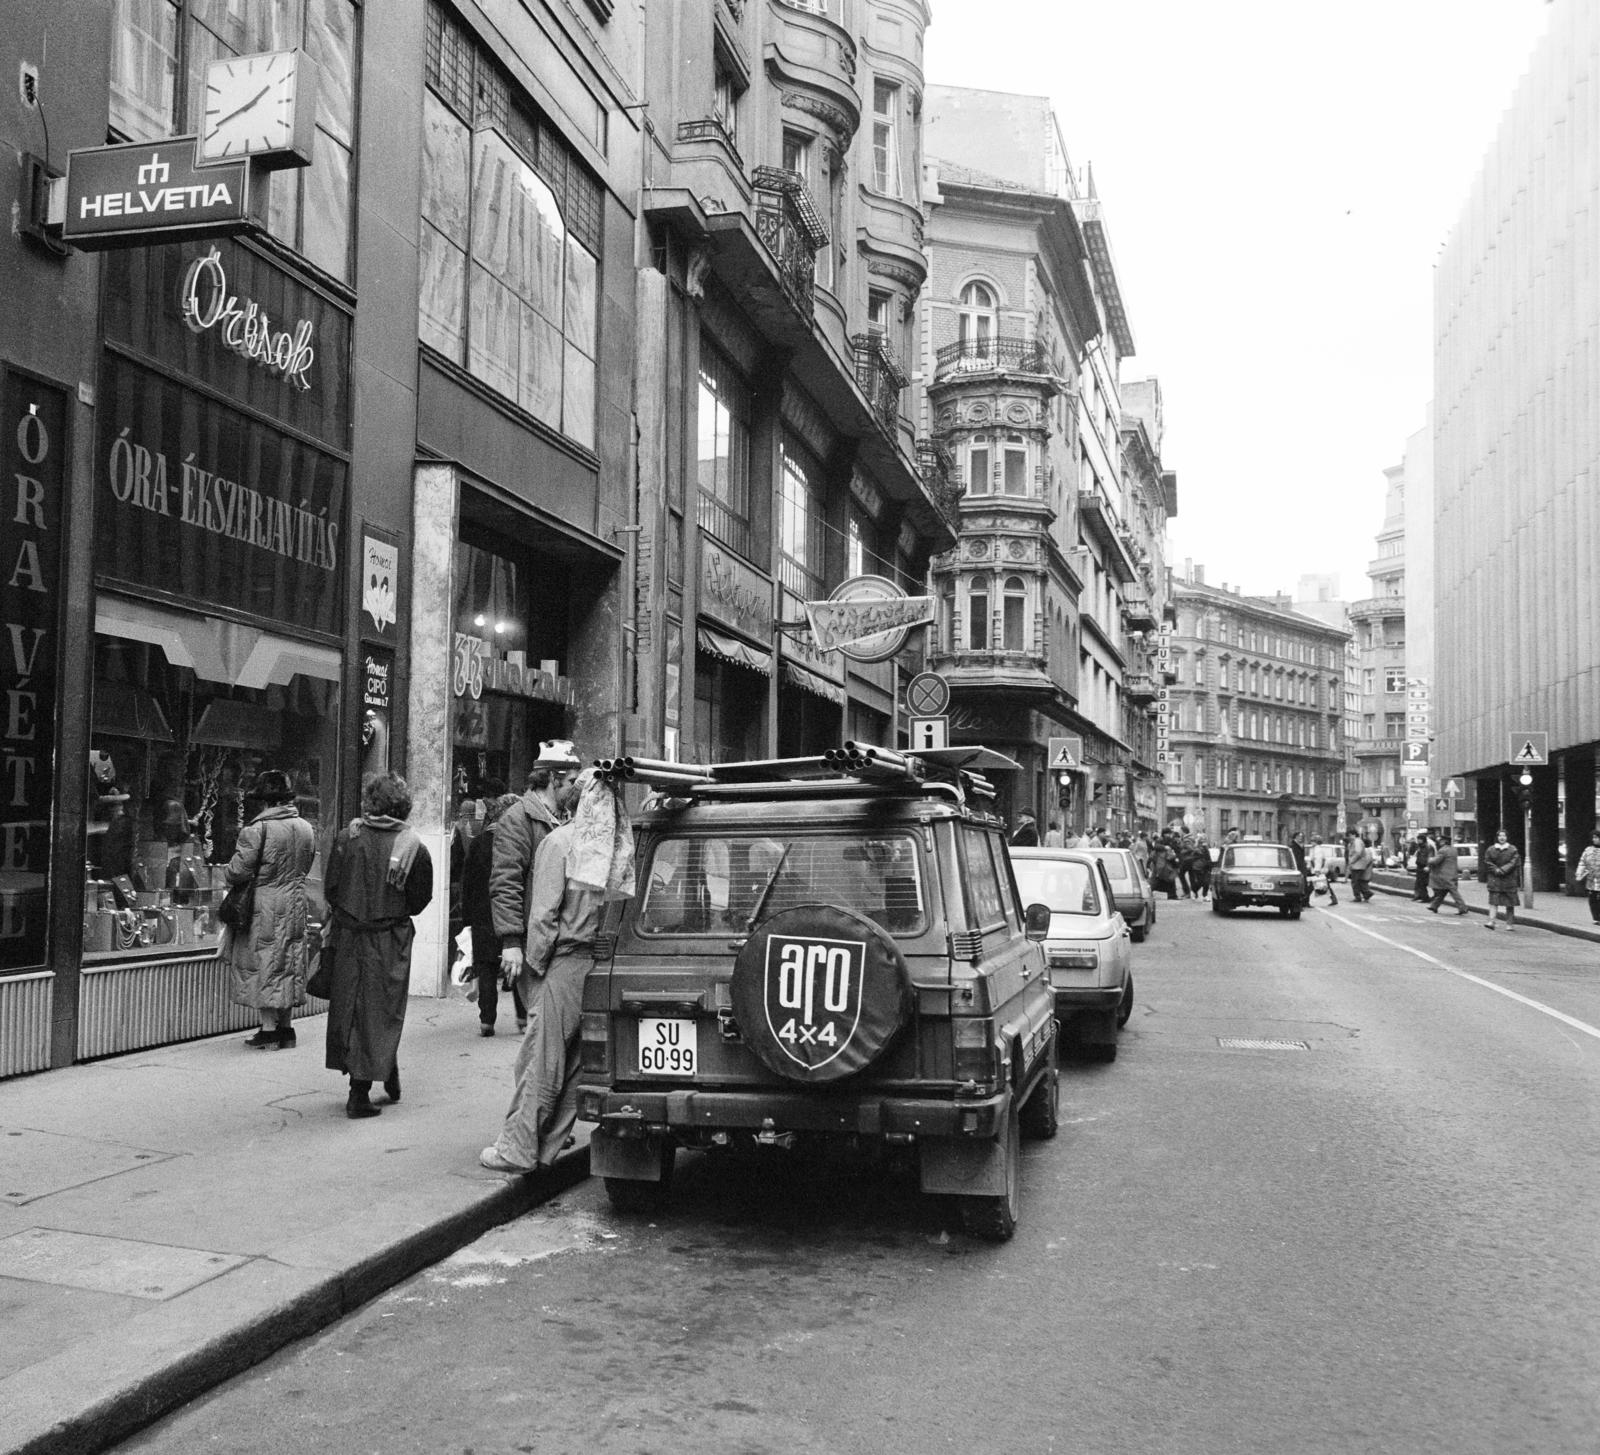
(1026, 833)
(518, 834)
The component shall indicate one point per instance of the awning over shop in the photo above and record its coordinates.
(215, 650)
(797, 676)
(731, 649)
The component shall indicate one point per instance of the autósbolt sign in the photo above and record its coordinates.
(136, 193)
(867, 618)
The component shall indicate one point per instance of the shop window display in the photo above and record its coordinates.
(172, 761)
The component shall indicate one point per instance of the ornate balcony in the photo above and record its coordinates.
(1137, 611)
(1139, 687)
(1002, 354)
(880, 377)
(710, 129)
(788, 223)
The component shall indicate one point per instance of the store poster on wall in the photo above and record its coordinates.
(377, 682)
(380, 585)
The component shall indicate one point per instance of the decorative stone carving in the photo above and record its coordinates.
(695, 270)
(977, 549)
(908, 277)
(978, 412)
(826, 112)
(1019, 413)
(1018, 550)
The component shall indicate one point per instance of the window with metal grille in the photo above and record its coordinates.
(723, 427)
(801, 523)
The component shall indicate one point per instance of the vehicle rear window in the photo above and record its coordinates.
(1260, 856)
(1116, 867)
(699, 885)
(984, 904)
(1066, 886)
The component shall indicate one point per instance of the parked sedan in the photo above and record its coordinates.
(1131, 887)
(1088, 948)
(1258, 874)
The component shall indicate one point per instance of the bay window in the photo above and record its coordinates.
(886, 137)
(1014, 618)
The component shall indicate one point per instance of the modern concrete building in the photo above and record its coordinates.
(1254, 715)
(1517, 456)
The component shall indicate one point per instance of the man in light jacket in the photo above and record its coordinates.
(1360, 868)
(520, 831)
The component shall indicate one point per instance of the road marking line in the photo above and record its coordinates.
(1537, 1005)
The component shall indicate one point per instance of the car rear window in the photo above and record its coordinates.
(1066, 886)
(1260, 856)
(702, 885)
(1116, 867)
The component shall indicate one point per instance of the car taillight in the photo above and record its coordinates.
(975, 1058)
(594, 1042)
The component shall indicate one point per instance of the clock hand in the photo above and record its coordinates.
(239, 111)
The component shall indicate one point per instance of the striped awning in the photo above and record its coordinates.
(731, 649)
(807, 681)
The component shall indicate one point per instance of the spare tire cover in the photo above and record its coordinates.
(820, 992)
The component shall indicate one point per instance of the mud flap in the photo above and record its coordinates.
(965, 1168)
(636, 1159)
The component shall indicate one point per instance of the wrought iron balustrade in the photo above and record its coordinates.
(719, 519)
(880, 377)
(788, 223)
(1000, 353)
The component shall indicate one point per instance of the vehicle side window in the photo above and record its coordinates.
(1006, 881)
(984, 907)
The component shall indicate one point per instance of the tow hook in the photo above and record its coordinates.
(626, 1121)
(727, 1026)
(769, 1136)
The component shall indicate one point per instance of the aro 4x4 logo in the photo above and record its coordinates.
(813, 996)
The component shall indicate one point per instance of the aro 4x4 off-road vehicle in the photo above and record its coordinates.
(826, 947)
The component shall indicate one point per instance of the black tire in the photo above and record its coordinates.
(1295, 912)
(1125, 1008)
(1221, 906)
(820, 1045)
(1105, 1052)
(1041, 1113)
(627, 1195)
(993, 1218)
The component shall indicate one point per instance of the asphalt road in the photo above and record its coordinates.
(1376, 1230)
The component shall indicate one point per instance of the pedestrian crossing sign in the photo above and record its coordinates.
(1530, 749)
(1066, 753)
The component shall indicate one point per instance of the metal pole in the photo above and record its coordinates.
(1527, 855)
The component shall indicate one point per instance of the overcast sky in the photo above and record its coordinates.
(1278, 179)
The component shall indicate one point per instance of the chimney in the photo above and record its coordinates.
(1199, 575)
(1188, 569)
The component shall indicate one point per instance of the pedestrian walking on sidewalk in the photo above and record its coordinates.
(522, 829)
(580, 866)
(1444, 873)
(267, 957)
(1589, 874)
(1502, 872)
(478, 907)
(1359, 865)
(379, 876)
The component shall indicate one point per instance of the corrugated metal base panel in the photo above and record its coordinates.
(128, 1007)
(25, 1022)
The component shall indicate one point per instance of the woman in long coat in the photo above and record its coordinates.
(379, 875)
(268, 956)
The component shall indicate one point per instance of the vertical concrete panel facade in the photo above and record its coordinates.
(1517, 422)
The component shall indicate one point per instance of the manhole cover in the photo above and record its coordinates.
(1252, 1043)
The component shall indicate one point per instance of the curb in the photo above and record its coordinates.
(1531, 921)
(158, 1393)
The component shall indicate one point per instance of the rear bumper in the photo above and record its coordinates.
(1075, 1000)
(636, 1113)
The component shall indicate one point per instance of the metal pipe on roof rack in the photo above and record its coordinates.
(657, 778)
(768, 767)
(804, 788)
(664, 765)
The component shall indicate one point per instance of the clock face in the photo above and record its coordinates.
(249, 105)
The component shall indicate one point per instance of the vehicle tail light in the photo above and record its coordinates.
(976, 1058)
(594, 1044)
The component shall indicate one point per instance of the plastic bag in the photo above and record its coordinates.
(461, 972)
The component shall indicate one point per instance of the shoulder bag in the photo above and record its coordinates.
(239, 903)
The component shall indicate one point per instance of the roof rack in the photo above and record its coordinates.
(855, 770)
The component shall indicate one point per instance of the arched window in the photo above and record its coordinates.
(975, 323)
(978, 614)
(1016, 607)
(1017, 478)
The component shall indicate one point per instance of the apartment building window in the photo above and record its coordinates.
(1394, 725)
(886, 137)
(309, 208)
(878, 311)
(1255, 682)
(725, 92)
(510, 240)
(723, 432)
(1016, 475)
(1015, 614)
(803, 156)
(978, 614)
(1394, 679)
(947, 614)
(979, 458)
(861, 546)
(975, 321)
(801, 524)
